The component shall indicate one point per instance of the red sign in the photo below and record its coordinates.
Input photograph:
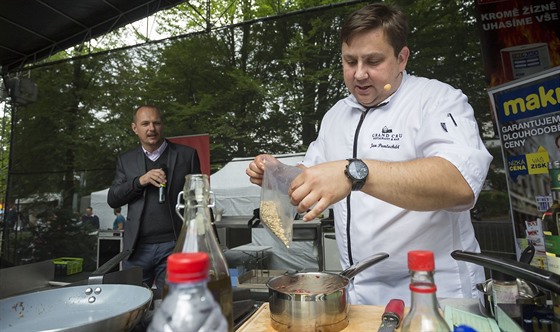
(202, 145)
(518, 37)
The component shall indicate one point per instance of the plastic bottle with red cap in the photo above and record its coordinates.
(189, 305)
(424, 314)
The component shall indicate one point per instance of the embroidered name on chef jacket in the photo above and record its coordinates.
(386, 139)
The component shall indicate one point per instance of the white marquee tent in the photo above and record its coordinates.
(237, 197)
(103, 210)
(232, 189)
(234, 193)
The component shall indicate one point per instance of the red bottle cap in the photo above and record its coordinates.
(187, 267)
(421, 260)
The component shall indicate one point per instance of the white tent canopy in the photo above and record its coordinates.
(102, 210)
(234, 193)
(237, 196)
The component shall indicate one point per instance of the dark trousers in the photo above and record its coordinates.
(152, 258)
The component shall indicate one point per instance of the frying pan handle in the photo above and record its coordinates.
(97, 275)
(353, 270)
(539, 277)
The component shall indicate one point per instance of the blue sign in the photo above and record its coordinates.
(517, 165)
(528, 101)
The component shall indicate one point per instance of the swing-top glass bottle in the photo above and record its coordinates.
(197, 235)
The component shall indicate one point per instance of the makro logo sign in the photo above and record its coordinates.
(528, 101)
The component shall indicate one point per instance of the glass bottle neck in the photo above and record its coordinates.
(197, 190)
(424, 312)
(198, 234)
(423, 289)
(198, 223)
(424, 299)
(422, 277)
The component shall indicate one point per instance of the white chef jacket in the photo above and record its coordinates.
(423, 118)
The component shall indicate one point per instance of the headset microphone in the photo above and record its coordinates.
(387, 87)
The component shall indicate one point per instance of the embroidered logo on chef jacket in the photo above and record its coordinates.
(386, 139)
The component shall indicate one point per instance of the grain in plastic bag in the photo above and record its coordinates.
(276, 211)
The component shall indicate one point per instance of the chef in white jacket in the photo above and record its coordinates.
(401, 162)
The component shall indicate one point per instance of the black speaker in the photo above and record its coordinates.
(22, 90)
(108, 248)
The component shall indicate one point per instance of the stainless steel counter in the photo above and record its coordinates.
(25, 278)
(233, 228)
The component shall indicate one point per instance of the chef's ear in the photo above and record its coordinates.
(404, 54)
(403, 57)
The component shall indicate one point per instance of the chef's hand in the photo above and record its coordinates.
(320, 185)
(255, 171)
(154, 177)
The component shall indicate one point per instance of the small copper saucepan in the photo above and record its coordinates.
(313, 301)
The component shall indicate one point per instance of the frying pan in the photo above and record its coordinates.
(93, 307)
(77, 308)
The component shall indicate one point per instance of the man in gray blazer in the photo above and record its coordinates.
(148, 179)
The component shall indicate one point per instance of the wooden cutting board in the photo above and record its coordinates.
(361, 318)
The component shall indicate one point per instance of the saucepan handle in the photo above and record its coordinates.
(539, 277)
(353, 270)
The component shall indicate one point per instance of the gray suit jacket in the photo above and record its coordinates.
(181, 161)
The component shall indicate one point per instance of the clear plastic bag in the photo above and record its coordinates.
(276, 211)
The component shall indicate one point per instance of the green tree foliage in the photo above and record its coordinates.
(445, 45)
(66, 142)
(255, 76)
(5, 134)
(58, 234)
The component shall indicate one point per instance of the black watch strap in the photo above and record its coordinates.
(358, 185)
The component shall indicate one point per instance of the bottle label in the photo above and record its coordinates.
(551, 243)
(505, 292)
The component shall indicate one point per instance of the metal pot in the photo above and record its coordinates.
(528, 294)
(313, 301)
(92, 307)
(546, 280)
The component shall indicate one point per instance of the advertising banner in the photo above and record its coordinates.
(527, 112)
(518, 37)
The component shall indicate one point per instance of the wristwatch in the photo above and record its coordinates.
(357, 171)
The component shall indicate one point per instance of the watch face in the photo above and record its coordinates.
(358, 170)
